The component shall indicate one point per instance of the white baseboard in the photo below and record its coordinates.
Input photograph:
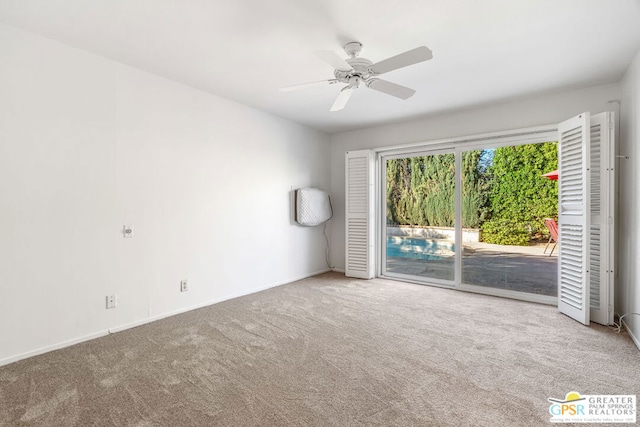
(635, 339)
(68, 343)
(210, 302)
(338, 270)
(53, 347)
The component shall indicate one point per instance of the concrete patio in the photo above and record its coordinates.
(516, 268)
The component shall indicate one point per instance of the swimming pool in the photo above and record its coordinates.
(418, 248)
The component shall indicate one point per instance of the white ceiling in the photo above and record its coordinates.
(484, 51)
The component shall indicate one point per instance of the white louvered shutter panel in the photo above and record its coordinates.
(601, 219)
(359, 198)
(573, 223)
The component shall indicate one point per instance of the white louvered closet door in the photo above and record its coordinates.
(601, 218)
(573, 224)
(359, 208)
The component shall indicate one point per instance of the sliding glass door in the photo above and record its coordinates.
(420, 220)
(472, 216)
(506, 200)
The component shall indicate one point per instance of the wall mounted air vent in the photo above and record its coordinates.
(313, 206)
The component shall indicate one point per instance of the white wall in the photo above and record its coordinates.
(533, 111)
(628, 278)
(87, 145)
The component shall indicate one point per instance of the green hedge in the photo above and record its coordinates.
(505, 232)
(520, 198)
(420, 190)
(504, 192)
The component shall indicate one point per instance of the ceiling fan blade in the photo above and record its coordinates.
(306, 85)
(333, 59)
(410, 57)
(392, 89)
(342, 99)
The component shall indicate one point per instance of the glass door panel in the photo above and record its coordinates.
(505, 201)
(420, 217)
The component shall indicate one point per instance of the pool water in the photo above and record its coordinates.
(418, 248)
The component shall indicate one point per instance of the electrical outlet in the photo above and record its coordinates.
(112, 301)
(184, 285)
(127, 231)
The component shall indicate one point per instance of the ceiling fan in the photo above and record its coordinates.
(353, 71)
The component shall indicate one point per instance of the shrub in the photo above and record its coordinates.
(519, 193)
(505, 232)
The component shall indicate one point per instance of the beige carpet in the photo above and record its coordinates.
(327, 351)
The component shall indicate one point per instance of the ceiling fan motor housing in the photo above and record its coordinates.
(360, 69)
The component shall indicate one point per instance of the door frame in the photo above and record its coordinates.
(457, 145)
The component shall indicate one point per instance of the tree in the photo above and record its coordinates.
(420, 190)
(475, 185)
(503, 191)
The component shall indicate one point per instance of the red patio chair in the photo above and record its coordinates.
(551, 225)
